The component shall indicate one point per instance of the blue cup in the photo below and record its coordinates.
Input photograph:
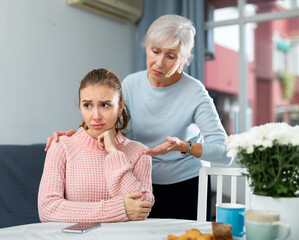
(233, 214)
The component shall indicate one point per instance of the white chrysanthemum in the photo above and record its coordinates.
(249, 149)
(267, 143)
(262, 137)
(258, 142)
(296, 129)
(294, 139)
(234, 141)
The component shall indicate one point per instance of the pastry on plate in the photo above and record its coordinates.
(222, 231)
(192, 234)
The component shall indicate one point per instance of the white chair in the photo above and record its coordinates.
(219, 172)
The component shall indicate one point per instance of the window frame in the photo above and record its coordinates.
(241, 21)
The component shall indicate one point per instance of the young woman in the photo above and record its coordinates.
(97, 175)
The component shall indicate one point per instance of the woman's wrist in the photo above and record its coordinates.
(196, 149)
(183, 146)
(188, 152)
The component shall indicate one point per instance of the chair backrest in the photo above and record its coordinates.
(219, 172)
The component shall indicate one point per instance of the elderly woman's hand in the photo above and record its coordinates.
(171, 144)
(56, 137)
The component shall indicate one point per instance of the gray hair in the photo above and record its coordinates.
(170, 31)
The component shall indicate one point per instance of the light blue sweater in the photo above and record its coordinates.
(183, 110)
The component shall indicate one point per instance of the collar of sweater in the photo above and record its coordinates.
(91, 143)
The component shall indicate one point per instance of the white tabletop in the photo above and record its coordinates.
(150, 229)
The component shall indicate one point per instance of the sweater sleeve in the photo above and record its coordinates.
(53, 206)
(207, 120)
(124, 176)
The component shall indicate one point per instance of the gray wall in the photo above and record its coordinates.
(46, 48)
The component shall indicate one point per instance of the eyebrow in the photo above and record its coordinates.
(88, 101)
(169, 50)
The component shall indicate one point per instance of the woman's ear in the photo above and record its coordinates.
(121, 107)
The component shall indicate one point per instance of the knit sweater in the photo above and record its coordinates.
(184, 110)
(81, 183)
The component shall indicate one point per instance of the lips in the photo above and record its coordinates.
(98, 126)
(156, 72)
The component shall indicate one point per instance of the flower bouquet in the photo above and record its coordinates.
(270, 153)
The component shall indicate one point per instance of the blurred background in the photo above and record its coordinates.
(246, 53)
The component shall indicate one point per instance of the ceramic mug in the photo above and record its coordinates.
(233, 214)
(265, 225)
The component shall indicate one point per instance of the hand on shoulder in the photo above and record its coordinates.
(56, 137)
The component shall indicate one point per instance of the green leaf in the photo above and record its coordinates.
(282, 189)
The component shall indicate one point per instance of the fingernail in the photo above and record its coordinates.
(144, 192)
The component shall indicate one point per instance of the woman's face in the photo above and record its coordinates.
(100, 108)
(162, 64)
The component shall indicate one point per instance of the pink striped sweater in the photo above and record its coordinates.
(81, 183)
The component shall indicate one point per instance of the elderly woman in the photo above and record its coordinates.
(173, 115)
(163, 102)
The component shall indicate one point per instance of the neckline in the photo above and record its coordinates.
(178, 83)
(92, 143)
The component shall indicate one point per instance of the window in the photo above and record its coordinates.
(252, 43)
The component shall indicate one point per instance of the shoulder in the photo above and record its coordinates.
(195, 88)
(56, 153)
(134, 78)
(58, 145)
(127, 144)
(132, 148)
(65, 143)
(135, 145)
(192, 82)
